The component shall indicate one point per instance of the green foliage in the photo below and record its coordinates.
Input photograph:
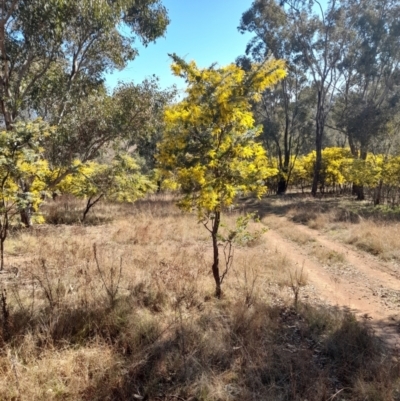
(53, 56)
(285, 110)
(129, 118)
(240, 234)
(56, 51)
(368, 98)
(343, 65)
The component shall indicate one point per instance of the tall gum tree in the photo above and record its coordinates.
(316, 37)
(369, 94)
(75, 41)
(209, 148)
(285, 109)
(53, 53)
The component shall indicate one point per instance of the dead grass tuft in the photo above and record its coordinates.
(328, 256)
(379, 239)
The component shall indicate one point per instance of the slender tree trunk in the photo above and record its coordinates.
(3, 237)
(319, 133)
(25, 212)
(284, 165)
(282, 185)
(2, 253)
(215, 266)
(283, 178)
(89, 205)
(357, 189)
(378, 194)
(317, 166)
(26, 216)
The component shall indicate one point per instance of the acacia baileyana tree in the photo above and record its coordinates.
(23, 174)
(120, 181)
(209, 148)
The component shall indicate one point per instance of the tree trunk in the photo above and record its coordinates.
(283, 178)
(215, 266)
(26, 216)
(378, 194)
(3, 237)
(283, 181)
(2, 253)
(89, 205)
(319, 133)
(317, 166)
(282, 185)
(358, 190)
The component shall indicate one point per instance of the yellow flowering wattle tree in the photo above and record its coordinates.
(209, 148)
(23, 175)
(118, 181)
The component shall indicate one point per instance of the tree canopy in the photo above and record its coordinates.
(348, 53)
(53, 56)
(58, 50)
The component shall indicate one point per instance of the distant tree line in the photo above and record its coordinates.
(342, 87)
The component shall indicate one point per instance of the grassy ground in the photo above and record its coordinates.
(122, 308)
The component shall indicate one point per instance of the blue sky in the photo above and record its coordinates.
(200, 30)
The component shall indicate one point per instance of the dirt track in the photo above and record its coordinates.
(366, 286)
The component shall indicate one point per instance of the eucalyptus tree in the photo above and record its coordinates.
(370, 92)
(287, 127)
(126, 119)
(316, 37)
(284, 110)
(53, 55)
(60, 49)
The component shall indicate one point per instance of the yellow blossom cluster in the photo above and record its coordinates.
(210, 148)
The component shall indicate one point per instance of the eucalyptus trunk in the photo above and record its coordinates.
(318, 145)
(358, 189)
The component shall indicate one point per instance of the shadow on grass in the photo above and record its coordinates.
(222, 351)
(226, 351)
(305, 208)
(302, 208)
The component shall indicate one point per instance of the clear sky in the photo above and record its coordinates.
(200, 30)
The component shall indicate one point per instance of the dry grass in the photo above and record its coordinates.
(288, 230)
(320, 216)
(328, 257)
(142, 322)
(379, 239)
